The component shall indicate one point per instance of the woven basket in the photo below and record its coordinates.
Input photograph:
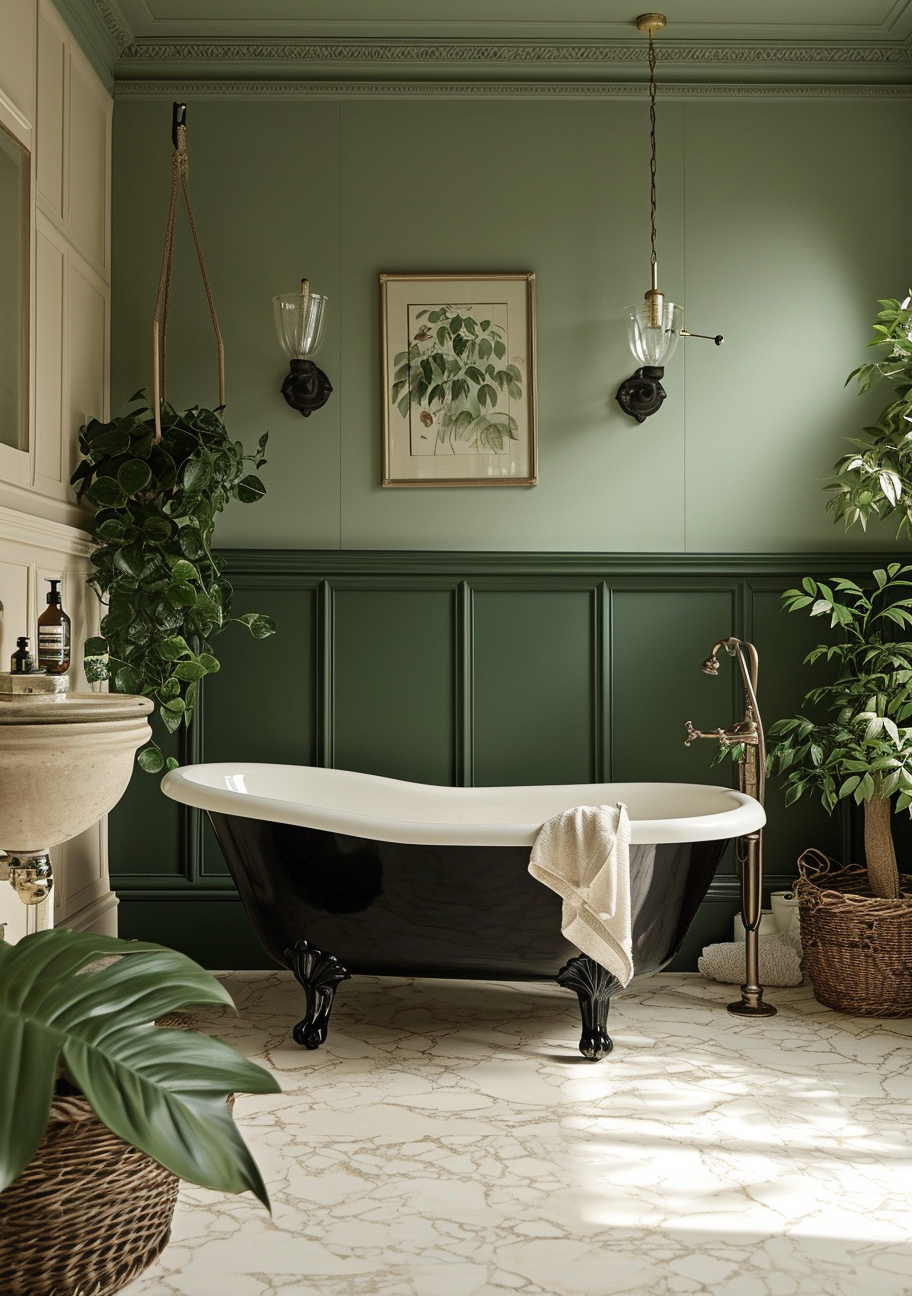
(857, 947)
(87, 1214)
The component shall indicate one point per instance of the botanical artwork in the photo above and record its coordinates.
(450, 381)
(459, 408)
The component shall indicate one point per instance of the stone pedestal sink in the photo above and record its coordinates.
(65, 760)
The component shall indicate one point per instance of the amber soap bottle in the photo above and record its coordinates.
(54, 635)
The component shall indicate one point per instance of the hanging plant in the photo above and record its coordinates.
(154, 565)
(159, 478)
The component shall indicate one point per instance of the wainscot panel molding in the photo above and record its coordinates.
(478, 668)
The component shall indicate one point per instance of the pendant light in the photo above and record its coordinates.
(654, 327)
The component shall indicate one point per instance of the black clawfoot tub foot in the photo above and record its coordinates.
(594, 988)
(319, 973)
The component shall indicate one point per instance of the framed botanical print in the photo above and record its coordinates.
(458, 380)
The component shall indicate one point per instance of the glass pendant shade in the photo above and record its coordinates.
(654, 345)
(299, 322)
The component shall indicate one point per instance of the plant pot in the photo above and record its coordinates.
(87, 1214)
(857, 946)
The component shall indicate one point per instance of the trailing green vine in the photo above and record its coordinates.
(166, 597)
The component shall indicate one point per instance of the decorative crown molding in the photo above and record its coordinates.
(494, 90)
(557, 62)
(517, 51)
(99, 30)
(114, 22)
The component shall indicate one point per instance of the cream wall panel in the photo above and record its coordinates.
(83, 899)
(50, 287)
(54, 102)
(15, 618)
(15, 584)
(52, 66)
(86, 378)
(87, 163)
(17, 55)
(13, 914)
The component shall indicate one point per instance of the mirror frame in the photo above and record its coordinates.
(24, 261)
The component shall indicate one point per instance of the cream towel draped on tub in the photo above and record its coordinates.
(584, 855)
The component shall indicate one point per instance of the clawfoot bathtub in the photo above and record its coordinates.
(343, 872)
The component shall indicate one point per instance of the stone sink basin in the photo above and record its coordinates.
(65, 760)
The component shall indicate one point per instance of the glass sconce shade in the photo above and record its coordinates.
(654, 345)
(299, 323)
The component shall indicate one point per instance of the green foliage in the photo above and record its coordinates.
(875, 480)
(453, 371)
(858, 742)
(157, 505)
(161, 1090)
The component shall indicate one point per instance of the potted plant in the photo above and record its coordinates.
(158, 494)
(856, 924)
(855, 742)
(875, 479)
(102, 1112)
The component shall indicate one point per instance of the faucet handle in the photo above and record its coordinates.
(745, 731)
(693, 734)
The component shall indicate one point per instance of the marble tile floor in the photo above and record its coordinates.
(448, 1140)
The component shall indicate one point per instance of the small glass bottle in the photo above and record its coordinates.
(54, 635)
(21, 662)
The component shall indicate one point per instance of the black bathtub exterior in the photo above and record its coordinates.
(444, 911)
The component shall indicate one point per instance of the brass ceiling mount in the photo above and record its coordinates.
(651, 22)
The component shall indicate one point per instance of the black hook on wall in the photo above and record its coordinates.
(178, 118)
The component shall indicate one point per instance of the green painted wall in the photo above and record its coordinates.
(781, 222)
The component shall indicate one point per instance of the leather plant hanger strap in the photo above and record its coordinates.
(179, 171)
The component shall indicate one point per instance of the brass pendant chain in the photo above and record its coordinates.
(652, 143)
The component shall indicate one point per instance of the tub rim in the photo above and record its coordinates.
(738, 814)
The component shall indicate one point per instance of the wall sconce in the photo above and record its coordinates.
(299, 324)
(653, 329)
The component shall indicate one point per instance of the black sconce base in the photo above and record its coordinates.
(642, 394)
(306, 388)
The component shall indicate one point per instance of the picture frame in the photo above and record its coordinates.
(459, 383)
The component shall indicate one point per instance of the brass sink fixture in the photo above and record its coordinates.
(747, 737)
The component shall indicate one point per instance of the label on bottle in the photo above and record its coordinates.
(52, 645)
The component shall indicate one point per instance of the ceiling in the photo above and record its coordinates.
(813, 42)
(692, 20)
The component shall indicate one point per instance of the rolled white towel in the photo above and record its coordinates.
(780, 962)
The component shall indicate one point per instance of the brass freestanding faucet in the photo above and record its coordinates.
(747, 734)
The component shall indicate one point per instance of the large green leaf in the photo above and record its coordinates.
(163, 1091)
(170, 1100)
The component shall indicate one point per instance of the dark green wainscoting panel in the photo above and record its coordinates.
(474, 668)
(533, 683)
(393, 662)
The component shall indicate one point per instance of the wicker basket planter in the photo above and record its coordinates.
(857, 947)
(88, 1213)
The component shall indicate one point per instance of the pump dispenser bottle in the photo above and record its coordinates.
(54, 635)
(21, 662)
